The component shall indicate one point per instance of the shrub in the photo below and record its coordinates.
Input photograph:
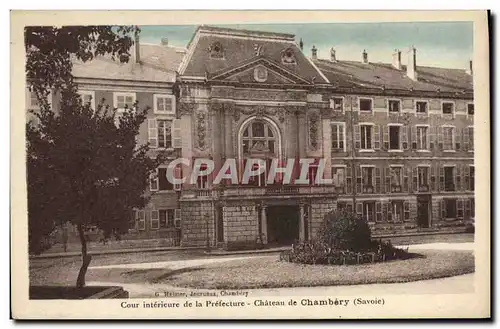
(345, 231)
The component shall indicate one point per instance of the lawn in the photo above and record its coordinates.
(269, 272)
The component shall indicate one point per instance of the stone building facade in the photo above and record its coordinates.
(397, 140)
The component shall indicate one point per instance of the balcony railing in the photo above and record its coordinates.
(449, 187)
(423, 188)
(368, 189)
(396, 189)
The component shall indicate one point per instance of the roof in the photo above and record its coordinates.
(352, 74)
(159, 63)
(239, 46)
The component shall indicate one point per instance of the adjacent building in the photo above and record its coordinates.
(397, 138)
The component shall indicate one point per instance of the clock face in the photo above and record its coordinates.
(260, 74)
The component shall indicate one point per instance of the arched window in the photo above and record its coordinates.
(259, 139)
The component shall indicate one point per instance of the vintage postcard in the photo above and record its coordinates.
(250, 165)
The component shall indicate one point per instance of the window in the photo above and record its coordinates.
(394, 140)
(397, 210)
(202, 181)
(338, 178)
(259, 139)
(470, 137)
(421, 107)
(87, 98)
(470, 109)
(369, 211)
(164, 133)
(396, 179)
(448, 138)
(337, 104)
(422, 138)
(366, 137)
(447, 107)
(140, 220)
(166, 218)
(365, 104)
(449, 178)
(124, 100)
(287, 57)
(338, 137)
(155, 222)
(450, 208)
(216, 50)
(472, 180)
(164, 104)
(367, 179)
(394, 106)
(163, 183)
(423, 179)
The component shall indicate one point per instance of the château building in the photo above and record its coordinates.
(397, 139)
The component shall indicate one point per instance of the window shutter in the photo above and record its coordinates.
(413, 210)
(177, 174)
(458, 177)
(415, 179)
(443, 209)
(406, 179)
(348, 179)
(359, 209)
(142, 220)
(460, 208)
(467, 209)
(376, 137)
(385, 211)
(357, 136)
(433, 178)
(155, 219)
(440, 138)
(385, 132)
(404, 138)
(466, 172)
(152, 133)
(406, 205)
(176, 134)
(456, 140)
(348, 138)
(153, 181)
(441, 178)
(359, 179)
(465, 135)
(177, 218)
(387, 180)
(413, 134)
(432, 138)
(378, 180)
(378, 211)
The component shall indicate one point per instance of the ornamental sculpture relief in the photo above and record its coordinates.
(185, 108)
(201, 129)
(313, 130)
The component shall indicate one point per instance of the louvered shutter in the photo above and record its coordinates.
(460, 208)
(441, 178)
(152, 133)
(348, 178)
(440, 138)
(415, 179)
(458, 177)
(443, 209)
(385, 133)
(466, 173)
(404, 138)
(414, 140)
(406, 178)
(406, 209)
(432, 138)
(467, 213)
(434, 184)
(378, 180)
(176, 134)
(387, 180)
(357, 136)
(378, 211)
(359, 179)
(376, 137)
(465, 135)
(385, 211)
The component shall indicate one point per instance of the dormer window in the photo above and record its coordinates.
(216, 50)
(288, 56)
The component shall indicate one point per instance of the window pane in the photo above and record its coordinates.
(258, 129)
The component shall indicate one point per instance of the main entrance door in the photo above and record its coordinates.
(423, 211)
(282, 224)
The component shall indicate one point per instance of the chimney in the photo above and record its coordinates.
(470, 70)
(396, 59)
(301, 44)
(314, 52)
(411, 69)
(333, 56)
(137, 49)
(164, 41)
(364, 59)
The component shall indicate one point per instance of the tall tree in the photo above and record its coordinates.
(84, 166)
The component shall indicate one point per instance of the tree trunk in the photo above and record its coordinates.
(86, 258)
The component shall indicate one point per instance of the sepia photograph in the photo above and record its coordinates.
(237, 168)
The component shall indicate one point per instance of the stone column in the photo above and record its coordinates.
(263, 223)
(302, 230)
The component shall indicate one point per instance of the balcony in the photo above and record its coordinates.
(423, 188)
(396, 189)
(449, 187)
(368, 189)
